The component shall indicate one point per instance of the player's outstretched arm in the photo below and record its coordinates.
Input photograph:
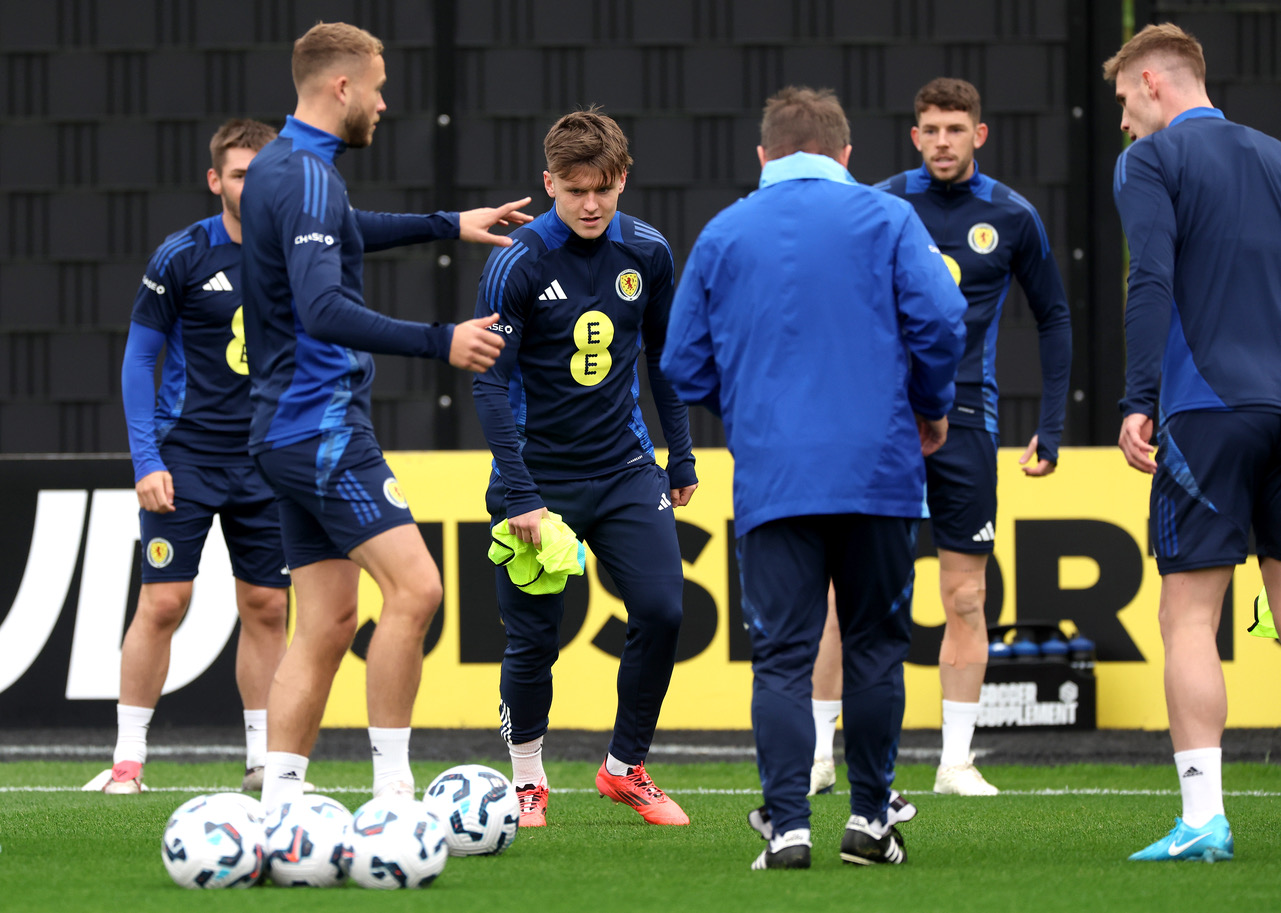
(1136, 433)
(933, 432)
(474, 225)
(1040, 467)
(155, 492)
(474, 347)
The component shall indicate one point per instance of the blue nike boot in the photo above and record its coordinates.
(1211, 843)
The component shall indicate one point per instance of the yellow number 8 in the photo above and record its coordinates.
(236, 359)
(593, 333)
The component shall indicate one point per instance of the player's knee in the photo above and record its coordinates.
(265, 607)
(162, 609)
(965, 603)
(659, 608)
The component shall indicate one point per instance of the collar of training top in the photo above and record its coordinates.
(802, 165)
(313, 139)
(1198, 112)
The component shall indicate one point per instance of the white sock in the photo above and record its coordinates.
(282, 778)
(616, 767)
(131, 733)
(826, 713)
(390, 750)
(1201, 782)
(959, 720)
(527, 763)
(255, 738)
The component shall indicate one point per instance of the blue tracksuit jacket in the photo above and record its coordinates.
(815, 316)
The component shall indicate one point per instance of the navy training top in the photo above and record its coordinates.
(1200, 202)
(308, 331)
(562, 401)
(189, 306)
(990, 234)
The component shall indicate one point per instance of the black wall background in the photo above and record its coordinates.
(106, 107)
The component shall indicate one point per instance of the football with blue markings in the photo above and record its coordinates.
(213, 842)
(396, 842)
(307, 843)
(479, 808)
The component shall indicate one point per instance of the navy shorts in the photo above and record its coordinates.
(960, 486)
(1218, 474)
(335, 492)
(246, 508)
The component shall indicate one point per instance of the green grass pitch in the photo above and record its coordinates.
(1056, 839)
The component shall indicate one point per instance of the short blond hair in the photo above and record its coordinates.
(327, 43)
(587, 139)
(801, 119)
(1166, 40)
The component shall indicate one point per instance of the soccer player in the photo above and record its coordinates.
(189, 442)
(309, 335)
(582, 291)
(1200, 201)
(810, 257)
(989, 235)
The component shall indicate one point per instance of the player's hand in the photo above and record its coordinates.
(1040, 467)
(525, 527)
(155, 492)
(475, 346)
(681, 496)
(1136, 433)
(474, 224)
(933, 432)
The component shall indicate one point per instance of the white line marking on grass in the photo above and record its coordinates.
(236, 751)
(90, 751)
(697, 790)
(740, 751)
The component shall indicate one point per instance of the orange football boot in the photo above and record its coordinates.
(636, 789)
(533, 805)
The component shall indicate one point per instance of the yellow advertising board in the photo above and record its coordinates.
(1071, 548)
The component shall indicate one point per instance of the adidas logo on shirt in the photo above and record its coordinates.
(664, 502)
(219, 283)
(1192, 772)
(553, 292)
(986, 534)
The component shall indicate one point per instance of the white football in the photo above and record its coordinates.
(252, 807)
(396, 842)
(479, 808)
(307, 842)
(213, 843)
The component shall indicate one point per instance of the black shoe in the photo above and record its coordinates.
(790, 851)
(861, 846)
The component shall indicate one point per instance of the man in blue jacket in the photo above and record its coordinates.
(1200, 201)
(308, 337)
(817, 318)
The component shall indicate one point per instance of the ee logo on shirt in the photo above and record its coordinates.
(593, 332)
(236, 359)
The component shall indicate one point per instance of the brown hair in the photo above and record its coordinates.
(238, 133)
(948, 94)
(326, 43)
(587, 139)
(801, 119)
(1167, 40)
